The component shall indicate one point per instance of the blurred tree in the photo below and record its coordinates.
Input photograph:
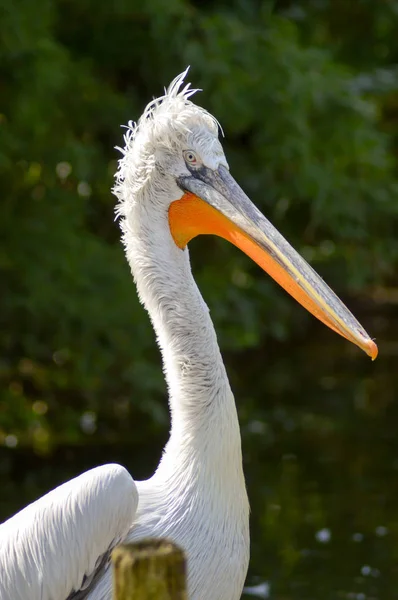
(307, 94)
(306, 134)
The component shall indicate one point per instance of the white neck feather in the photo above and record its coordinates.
(203, 412)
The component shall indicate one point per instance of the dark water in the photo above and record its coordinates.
(321, 461)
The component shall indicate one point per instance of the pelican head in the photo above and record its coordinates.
(174, 165)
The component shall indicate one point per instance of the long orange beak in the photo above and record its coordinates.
(214, 203)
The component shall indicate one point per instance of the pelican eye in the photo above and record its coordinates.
(190, 157)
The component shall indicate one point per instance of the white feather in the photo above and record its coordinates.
(48, 548)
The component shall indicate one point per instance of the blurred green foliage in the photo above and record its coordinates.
(307, 94)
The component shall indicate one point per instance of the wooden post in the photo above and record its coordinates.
(149, 570)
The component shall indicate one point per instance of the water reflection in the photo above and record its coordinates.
(322, 474)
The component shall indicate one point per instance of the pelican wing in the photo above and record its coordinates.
(54, 548)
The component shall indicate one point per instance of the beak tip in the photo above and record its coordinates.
(372, 349)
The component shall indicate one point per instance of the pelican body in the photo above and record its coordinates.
(173, 183)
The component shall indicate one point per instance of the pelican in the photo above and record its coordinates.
(173, 183)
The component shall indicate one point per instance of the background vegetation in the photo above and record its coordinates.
(306, 92)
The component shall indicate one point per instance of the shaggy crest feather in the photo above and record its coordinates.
(163, 123)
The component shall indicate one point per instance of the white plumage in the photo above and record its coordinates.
(49, 548)
(58, 547)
